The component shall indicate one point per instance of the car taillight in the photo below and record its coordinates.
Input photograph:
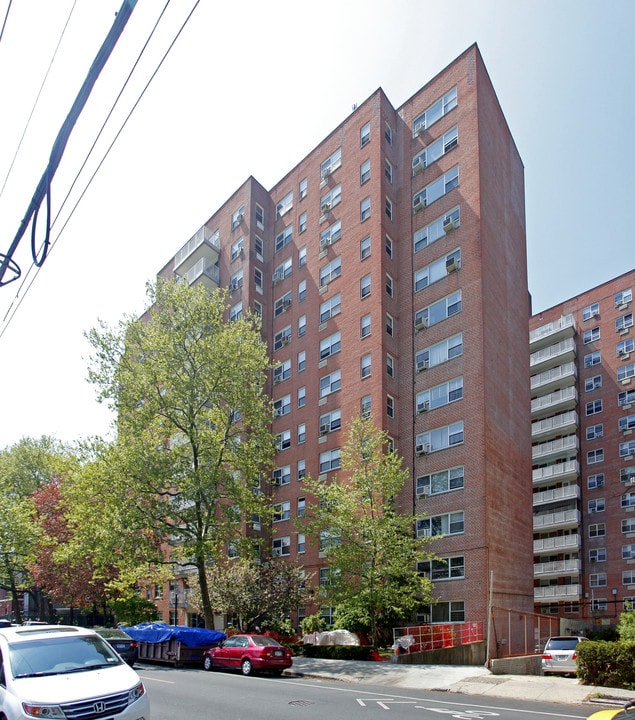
(547, 656)
(575, 655)
(133, 644)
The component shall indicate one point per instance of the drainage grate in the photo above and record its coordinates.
(301, 703)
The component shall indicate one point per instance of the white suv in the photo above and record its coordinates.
(61, 672)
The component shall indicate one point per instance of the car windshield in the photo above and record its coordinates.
(263, 640)
(55, 656)
(112, 634)
(563, 643)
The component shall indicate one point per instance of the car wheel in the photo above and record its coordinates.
(207, 663)
(246, 667)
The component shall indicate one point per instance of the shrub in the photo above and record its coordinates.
(608, 664)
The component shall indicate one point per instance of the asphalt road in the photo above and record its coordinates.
(192, 693)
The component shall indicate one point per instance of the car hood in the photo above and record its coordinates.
(70, 687)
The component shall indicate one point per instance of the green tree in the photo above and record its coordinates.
(626, 625)
(193, 420)
(371, 549)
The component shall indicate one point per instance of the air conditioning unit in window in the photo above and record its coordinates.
(422, 449)
(422, 496)
(326, 243)
(325, 208)
(622, 353)
(449, 224)
(418, 205)
(278, 277)
(424, 407)
(418, 130)
(452, 265)
(421, 324)
(233, 285)
(239, 218)
(418, 166)
(324, 429)
(596, 315)
(422, 365)
(287, 303)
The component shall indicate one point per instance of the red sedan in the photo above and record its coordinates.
(249, 653)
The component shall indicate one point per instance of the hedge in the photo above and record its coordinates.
(607, 664)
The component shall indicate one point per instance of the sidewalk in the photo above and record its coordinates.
(470, 680)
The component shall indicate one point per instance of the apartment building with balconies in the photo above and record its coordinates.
(389, 269)
(582, 370)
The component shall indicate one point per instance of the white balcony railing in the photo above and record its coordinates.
(566, 321)
(558, 592)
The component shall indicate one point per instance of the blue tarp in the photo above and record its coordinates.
(160, 632)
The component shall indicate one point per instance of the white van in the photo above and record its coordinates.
(61, 672)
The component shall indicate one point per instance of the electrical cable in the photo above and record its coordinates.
(10, 314)
(6, 17)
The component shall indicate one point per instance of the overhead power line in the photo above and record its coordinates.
(43, 190)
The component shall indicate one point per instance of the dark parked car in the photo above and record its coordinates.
(121, 642)
(249, 653)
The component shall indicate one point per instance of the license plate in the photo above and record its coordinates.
(278, 653)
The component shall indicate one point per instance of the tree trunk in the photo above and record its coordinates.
(208, 613)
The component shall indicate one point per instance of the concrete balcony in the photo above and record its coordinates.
(204, 244)
(203, 272)
(561, 520)
(561, 543)
(557, 377)
(552, 333)
(552, 449)
(553, 355)
(557, 472)
(560, 494)
(554, 402)
(557, 568)
(557, 592)
(562, 424)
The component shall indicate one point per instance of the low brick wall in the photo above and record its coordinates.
(471, 654)
(525, 665)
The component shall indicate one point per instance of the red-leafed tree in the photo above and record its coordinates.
(69, 580)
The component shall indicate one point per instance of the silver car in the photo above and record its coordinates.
(560, 656)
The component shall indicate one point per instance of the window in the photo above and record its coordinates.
(364, 209)
(390, 286)
(282, 511)
(330, 200)
(301, 325)
(301, 507)
(388, 246)
(627, 475)
(625, 372)
(597, 555)
(628, 500)
(628, 552)
(440, 395)
(591, 311)
(390, 365)
(593, 383)
(447, 524)
(390, 406)
(258, 279)
(364, 248)
(330, 422)
(626, 423)
(388, 133)
(597, 530)
(302, 256)
(303, 188)
(593, 432)
(442, 569)
(366, 406)
(282, 406)
(301, 433)
(364, 286)
(437, 270)
(624, 322)
(436, 189)
(330, 383)
(625, 398)
(260, 217)
(237, 249)
(301, 397)
(388, 170)
(330, 271)
(594, 407)
(258, 308)
(364, 135)
(435, 150)
(281, 546)
(390, 325)
(282, 304)
(236, 312)
(282, 475)
(301, 543)
(592, 359)
(435, 112)
(597, 505)
(330, 345)
(627, 448)
(331, 307)
(238, 216)
(591, 335)
(302, 223)
(282, 271)
(625, 347)
(437, 229)
(282, 372)
(388, 208)
(621, 298)
(628, 525)
(302, 290)
(365, 366)
(301, 470)
(301, 360)
(284, 238)
(597, 580)
(439, 353)
(595, 456)
(331, 164)
(441, 482)
(364, 172)
(236, 281)
(283, 440)
(440, 438)
(283, 207)
(329, 460)
(595, 481)
(365, 325)
(282, 338)
(439, 311)
(331, 235)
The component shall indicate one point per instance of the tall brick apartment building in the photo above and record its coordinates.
(583, 423)
(389, 268)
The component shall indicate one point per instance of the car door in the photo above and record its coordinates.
(238, 650)
(222, 655)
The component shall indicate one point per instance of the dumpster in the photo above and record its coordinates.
(174, 644)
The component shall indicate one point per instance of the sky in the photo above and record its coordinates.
(250, 88)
